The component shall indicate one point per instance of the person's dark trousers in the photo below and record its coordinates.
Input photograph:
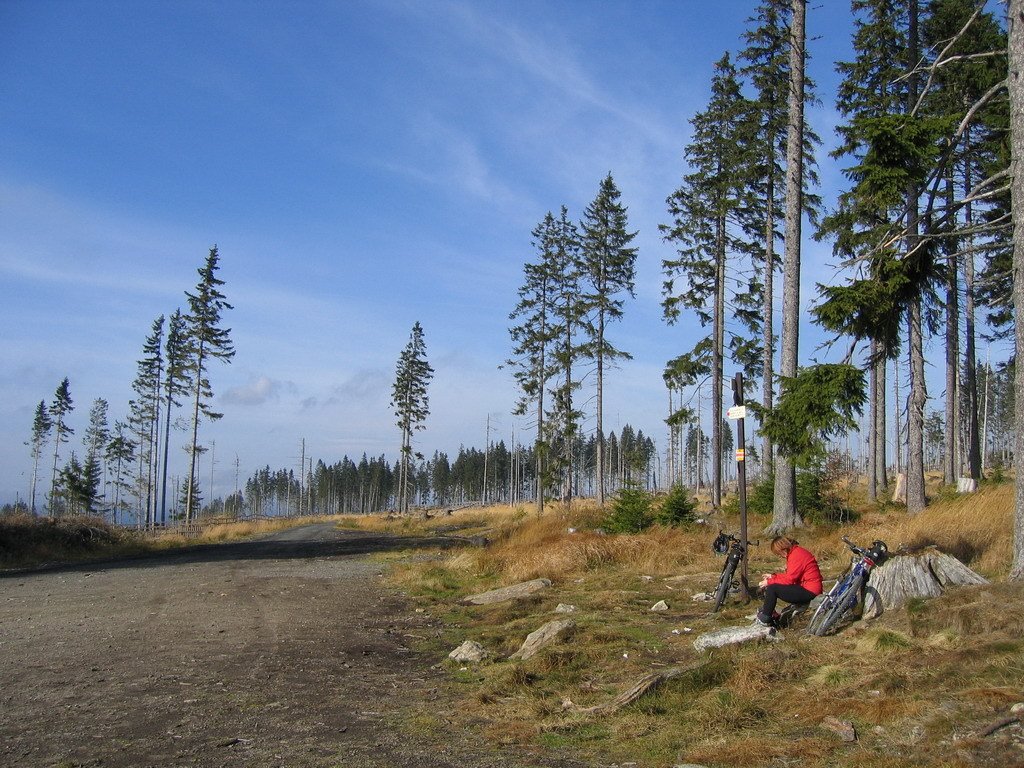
(791, 593)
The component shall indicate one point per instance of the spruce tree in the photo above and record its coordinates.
(120, 455)
(959, 43)
(609, 269)
(411, 404)
(176, 384)
(869, 92)
(533, 338)
(1016, 92)
(144, 419)
(785, 514)
(708, 228)
(569, 308)
(61, 406)
(41, 426)
(765, 63)
(205, 341)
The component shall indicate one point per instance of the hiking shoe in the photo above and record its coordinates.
(764, 620)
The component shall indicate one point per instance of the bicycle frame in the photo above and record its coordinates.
(734, 550)
(845, 594)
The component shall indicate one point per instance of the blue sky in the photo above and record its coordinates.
(361, 166)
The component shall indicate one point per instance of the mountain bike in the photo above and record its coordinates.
(849, 589)
(734, 549)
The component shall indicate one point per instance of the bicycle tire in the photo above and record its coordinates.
(843, 603)
(723, 585)
(826, 604)
(819, 613)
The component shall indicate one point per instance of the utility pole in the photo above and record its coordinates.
(213, 460)
(302, 473)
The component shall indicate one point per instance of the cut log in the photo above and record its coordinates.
(543, 637)
(504, 594)
(924, 574)
(734, 635)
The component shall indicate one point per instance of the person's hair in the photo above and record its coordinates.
(782, 544)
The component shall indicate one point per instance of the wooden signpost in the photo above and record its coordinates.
(739, 413)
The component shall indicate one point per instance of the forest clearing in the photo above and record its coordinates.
(327, 643)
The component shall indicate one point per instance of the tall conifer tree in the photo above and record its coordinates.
(532, 339)
(411, 403)
(609, 269)
(205, 342)
(708, 229)
(61, 406)
(176, 384)
(41, 426)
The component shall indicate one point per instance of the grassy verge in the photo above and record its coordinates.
(917, 684)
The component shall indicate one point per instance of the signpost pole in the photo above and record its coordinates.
(741, 466)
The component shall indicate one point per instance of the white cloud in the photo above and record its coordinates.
(257, 391)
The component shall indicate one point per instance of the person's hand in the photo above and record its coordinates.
(763, 582)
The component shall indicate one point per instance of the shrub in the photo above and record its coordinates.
(816, 500)
(631, 512)
(678, 508)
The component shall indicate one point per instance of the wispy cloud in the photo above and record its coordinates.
(258, 391)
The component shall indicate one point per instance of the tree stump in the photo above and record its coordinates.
(928, 573)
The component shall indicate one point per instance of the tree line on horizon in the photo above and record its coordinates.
(495, 475)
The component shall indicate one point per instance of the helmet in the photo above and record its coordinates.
(721, 543)
(878, 552)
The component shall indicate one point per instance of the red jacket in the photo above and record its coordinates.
(801, 569)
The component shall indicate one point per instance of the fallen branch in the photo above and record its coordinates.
(640, 688)
(988, 730)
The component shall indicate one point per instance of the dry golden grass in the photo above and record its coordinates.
(565, 543)
(909, 682)
(971, 527)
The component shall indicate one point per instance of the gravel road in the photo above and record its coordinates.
(284, 651)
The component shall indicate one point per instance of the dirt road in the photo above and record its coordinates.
(285, 651)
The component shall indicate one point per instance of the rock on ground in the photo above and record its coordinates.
(469, 652)
(543, 637)
(504, 594)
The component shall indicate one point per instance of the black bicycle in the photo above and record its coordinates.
(849, 589)
(734, 550)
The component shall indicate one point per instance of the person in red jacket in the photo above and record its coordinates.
(798, 584)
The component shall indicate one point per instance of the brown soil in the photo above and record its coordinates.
(286, 651)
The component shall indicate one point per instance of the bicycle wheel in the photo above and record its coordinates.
(723, 584)
(819, 615)
(844, 602)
